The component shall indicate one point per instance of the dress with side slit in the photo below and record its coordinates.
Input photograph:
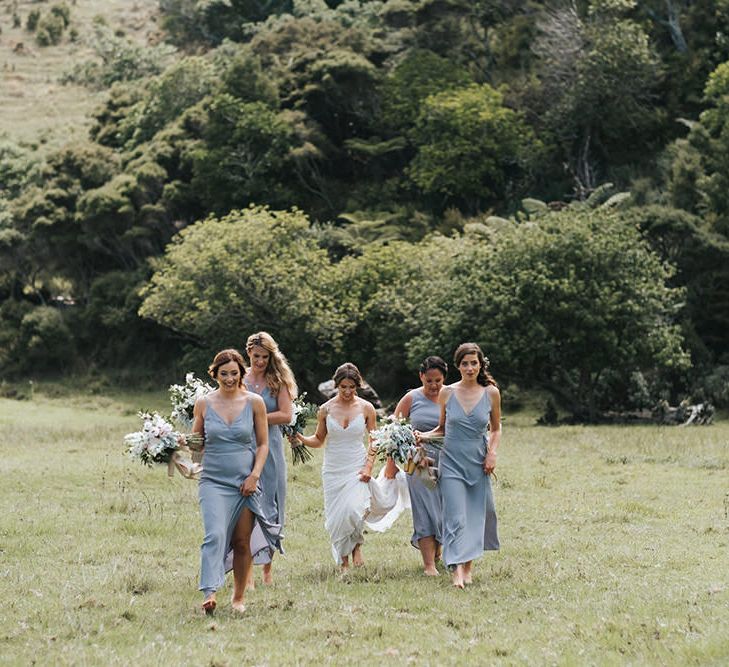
(228, 459)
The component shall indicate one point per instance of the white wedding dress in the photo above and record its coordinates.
(351, 505)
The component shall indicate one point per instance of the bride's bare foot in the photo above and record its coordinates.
(344, 567)
(238, 605)
(267, 575)
(357, 559)
(431, 571)
(457, 577)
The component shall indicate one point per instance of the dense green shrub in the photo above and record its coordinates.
(45, 340)
(63, 11)
(117, 58)
(50, 30)
(471, 149)
(253, 269)
(31, 23)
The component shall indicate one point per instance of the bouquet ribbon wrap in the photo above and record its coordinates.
(188, 468)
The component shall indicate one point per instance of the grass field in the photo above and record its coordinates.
(614, 551)
(34, 107)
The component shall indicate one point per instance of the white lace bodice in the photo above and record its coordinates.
(345, 450)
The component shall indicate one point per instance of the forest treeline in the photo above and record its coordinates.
(377, 181)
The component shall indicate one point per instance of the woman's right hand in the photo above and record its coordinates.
(250, 485)
(365, 475)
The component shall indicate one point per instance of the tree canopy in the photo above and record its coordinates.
(549, 180)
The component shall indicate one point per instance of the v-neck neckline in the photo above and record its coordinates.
(222, 419)
(254, 387)
(344, 428)
(430, 400)
(475, 405)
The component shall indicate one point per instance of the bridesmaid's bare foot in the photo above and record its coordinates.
(467, 576)
(438, 553)
(208, 606)
(431, 571)
(267, 575)
(457, 577)
(357, 559)
(238, 605)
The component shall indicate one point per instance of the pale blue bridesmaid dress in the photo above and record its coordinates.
(273, 477)
(469, 515)
(228, 459)
(425, 501)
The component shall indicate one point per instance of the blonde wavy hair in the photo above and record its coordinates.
(278, 372)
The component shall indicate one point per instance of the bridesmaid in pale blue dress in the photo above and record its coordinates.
(271, 377)
(230, 501)
(421, 407)
(471, 422)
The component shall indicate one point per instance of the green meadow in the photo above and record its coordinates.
(614, 551)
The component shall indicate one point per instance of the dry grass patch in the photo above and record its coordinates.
(36, 108)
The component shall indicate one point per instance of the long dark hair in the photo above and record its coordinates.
(484, 377)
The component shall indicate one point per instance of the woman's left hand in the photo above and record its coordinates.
(489, 462)
(249, 486)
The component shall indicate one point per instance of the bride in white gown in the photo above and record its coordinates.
(353, 500)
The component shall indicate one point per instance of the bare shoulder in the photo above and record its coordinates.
(367, 408)
(405, 403)
(446, 391)
(493, 392)
(201, 403)
(256, 400)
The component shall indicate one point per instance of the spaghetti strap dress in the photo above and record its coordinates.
(228, 459)
(425, 501)
(273, 478)
(469, 515)
(351, 505)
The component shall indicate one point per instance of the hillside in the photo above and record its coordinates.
(34, 105)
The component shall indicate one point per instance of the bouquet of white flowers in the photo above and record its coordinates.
(395, 440)
(302, 412)
(154, 442)
(183, 397)
(158, 442)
